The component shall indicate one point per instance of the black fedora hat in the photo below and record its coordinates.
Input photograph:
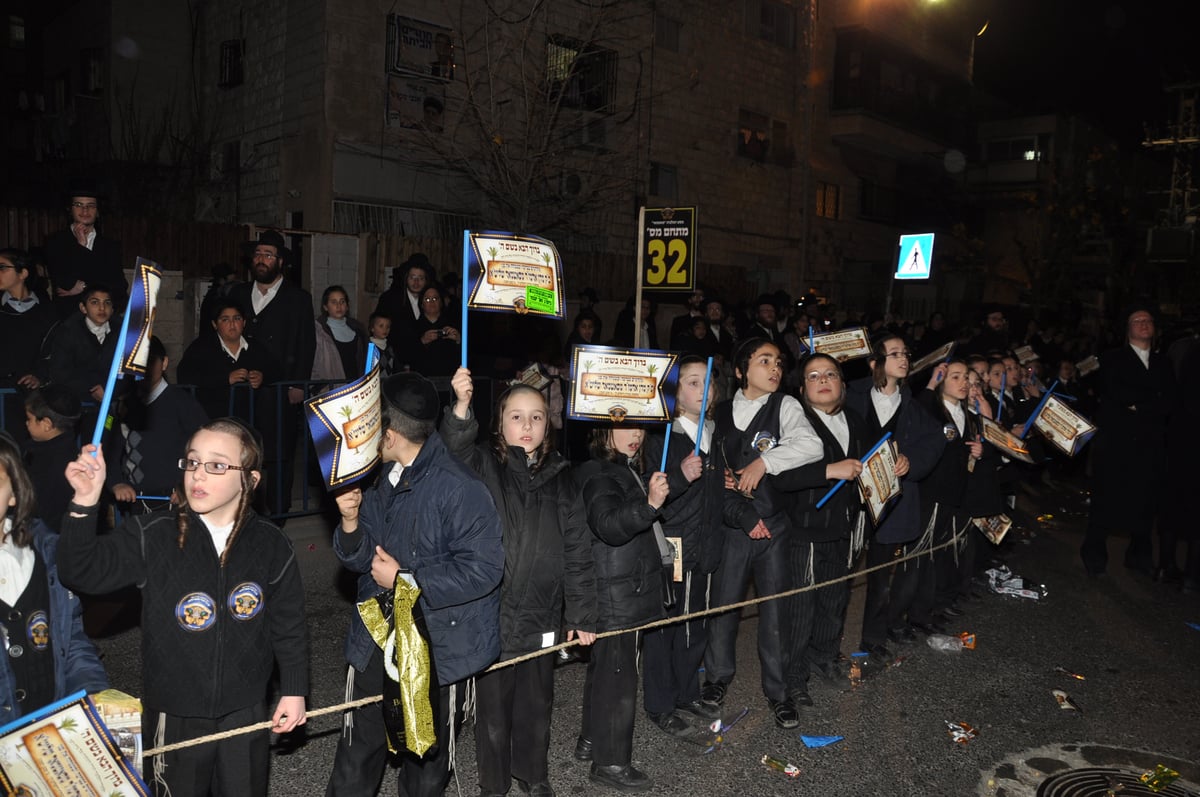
(270, 238)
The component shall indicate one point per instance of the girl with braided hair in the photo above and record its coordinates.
(222, 603)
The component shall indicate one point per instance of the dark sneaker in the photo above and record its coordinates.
(829, 671)
(536, 789)
(670, 722)
(902, 636)
(583, 749)
(786, 715)
(713, 693)
(621, 778)
(698, 708)
(799, 696)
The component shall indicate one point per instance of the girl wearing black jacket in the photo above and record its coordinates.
(629, 554)
(548, 575)
(671, 655)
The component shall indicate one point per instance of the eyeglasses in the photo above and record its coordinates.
(213, 468)
(819, 376)
(430, 299)
(899, 355)
(265, 256)
(84, 205)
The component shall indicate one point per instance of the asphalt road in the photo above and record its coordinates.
(1129, 638)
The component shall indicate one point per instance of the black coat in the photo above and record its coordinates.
(946, 483)
(919, 436)
(77, 358)
(68, 263)
(693, 510)
(25, 337)
(835, 520)
(207, 365)
(284, 328)
(629, 571)
(547, 543)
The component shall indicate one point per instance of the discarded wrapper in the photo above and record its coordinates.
(1064, 701)
(961, 732)
(719, 728)
(819, 741)
(1159, 778)
(1002, 581)
(791, 770)
(968, 640)
(1069, 674)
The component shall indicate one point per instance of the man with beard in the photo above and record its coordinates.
(280, 320)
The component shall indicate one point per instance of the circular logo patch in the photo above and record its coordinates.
(196, 612)
(951, 431)
(245, 601)
(764, 441)
(38, 630)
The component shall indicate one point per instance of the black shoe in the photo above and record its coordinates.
(713, 693)
(536, 789)
(932, 627)
(1168, 575)
(879, 655)
(829, 672)
(786, 715)
(698, 708)
(583, 749)
(621, 778)
(671, 723)
(799, 696)
(902, 636)
(953, 611)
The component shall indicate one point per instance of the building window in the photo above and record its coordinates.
(585, 76)
(666, 33)
(664, 181)
(1025, 148)
(231, 63)
(829, 200)
(16, 32)
(773, 21)
(91, 71)
(753, 141)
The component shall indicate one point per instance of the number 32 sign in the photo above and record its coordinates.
(669, 241)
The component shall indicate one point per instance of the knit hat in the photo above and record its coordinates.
(411, 394)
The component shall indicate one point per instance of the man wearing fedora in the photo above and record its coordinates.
(79, 256)
(402, 303)
(280, 320)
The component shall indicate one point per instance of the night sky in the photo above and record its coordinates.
(1106, 60)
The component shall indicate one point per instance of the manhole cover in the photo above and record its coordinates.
(1097, 782)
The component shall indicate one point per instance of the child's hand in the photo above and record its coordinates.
(384, 568)
(289, 714)
(585, 637)
(464, 388)
(730, 482)
(657, 493)
(975, 447)
(97, 392)
(901, 466)
(846, 469)
(124, 493)
(86, 475)
(692, 466)
(760, 531)
(348, 504)
(937, 376)
(751, 475)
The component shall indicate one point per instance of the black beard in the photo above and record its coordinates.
(268, 277)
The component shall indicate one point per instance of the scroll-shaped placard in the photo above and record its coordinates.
(993, 527)
(878, 483)
(1087, 365)
(510, 273)
(621, 385)
(65, 748)
(345, 425)
(845, 344)
(939, 355)
(1009, 444)
(1063, 426)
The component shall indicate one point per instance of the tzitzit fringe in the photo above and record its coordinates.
(366, 701)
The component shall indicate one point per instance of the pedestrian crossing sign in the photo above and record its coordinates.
(916, 257)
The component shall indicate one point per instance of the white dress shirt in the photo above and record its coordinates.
(798, 442)
(885, 405)
(260, 298)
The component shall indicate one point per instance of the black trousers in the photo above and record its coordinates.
(671, 655)
(362, 753)
(815, 617)
(235, 767)
(513, 706)
(280, 428)
(877, 604)
(767, 561)
(609, 699)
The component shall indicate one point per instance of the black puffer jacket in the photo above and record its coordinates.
(629, 572)
(693, 510)
(547, 544)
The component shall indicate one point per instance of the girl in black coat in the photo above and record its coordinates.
(629, 554)
(547, 565)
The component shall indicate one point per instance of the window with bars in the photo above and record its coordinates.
(231, 71)
(91, 71)
(583, 75)
(664, 181)
(773, 21)
(829, 200)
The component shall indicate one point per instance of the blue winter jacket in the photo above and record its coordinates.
(76, 662)
(439, 521)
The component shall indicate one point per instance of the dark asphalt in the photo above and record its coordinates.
(1129, 637)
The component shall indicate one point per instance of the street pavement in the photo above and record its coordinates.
(1128, 637)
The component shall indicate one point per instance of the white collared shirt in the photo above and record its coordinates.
(260, 298)
(394, 474)
(242, 346)
(957, 415)
(1143, 355)
(885, 405)
(20, 305)
(101, 332)
(16, 567)
(840, 428)
(415, 301)
(689, 427)
(155, 392)
(798, 442)
(89, 241)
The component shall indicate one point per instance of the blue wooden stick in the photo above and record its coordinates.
(372, 356)
(1000, 400)
(666, 446)
(153, 497)
(111, 384)
(811, 346)
(703, 406)
(1038, 411)
(466, 291)
(838, 486)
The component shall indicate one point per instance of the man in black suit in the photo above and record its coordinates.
(79, 256)
(280, 320)
(1137, 394)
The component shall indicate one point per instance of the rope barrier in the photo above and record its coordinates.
(365, 701)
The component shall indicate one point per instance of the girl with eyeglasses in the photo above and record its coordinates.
(222, 604)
